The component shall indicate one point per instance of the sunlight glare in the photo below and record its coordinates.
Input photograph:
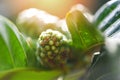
(40, 14)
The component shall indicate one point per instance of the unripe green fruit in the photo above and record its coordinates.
(53, 49)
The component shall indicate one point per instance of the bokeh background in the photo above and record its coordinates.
(11, 8)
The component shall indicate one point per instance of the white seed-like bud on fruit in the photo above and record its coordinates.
(51, 42)
(47, 47)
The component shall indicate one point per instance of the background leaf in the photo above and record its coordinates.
(107, 19)
(12, 54)
(29, 74)
(30, 47)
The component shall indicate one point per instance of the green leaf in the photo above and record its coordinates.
(12, 54)
(29, 74)
(107, 19)
(105, 10)
(110, 19)
(30, 46)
